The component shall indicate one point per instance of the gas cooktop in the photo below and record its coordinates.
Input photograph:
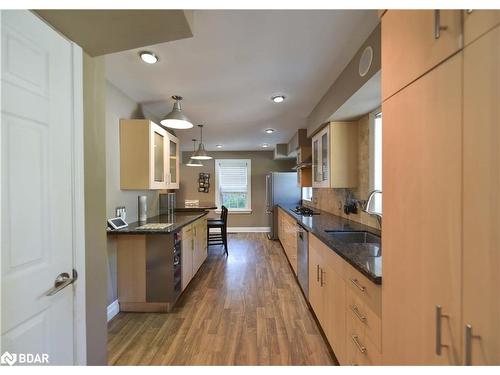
(304, 211)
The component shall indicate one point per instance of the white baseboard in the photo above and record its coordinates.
(113, 309)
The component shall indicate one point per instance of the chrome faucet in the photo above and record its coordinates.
(366, 207)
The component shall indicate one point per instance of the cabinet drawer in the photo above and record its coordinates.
(370, 322)
(478, 22)
(360, 350)
(368, 292)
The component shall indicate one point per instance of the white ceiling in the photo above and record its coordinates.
(236, 61)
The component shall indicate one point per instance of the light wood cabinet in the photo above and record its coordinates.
(194, 249)
(421, 235)
(415, 41)
(149, 156)
(477, 22)
(200, 243)
(335, 156)
(304, 170)
(481, 196)
(287, 234)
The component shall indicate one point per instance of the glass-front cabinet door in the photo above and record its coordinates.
(173, 160)
(320, 156)
(158, 157)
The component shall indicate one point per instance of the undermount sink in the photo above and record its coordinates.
(354, 236)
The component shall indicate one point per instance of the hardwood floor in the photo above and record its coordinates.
(243, 310)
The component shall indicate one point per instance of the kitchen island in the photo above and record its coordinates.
(156, 259)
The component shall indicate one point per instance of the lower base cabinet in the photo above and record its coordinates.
(194, 249)
(287, 234)
(347, 306)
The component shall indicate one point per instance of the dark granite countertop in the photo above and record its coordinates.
(178, 220)
(358, 255)
(202, 206)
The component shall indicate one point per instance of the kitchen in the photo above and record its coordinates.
(234, 178)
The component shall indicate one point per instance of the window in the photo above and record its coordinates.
(233, 184)
(307, 193)
(376, 159)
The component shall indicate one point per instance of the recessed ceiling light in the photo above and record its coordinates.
(265, 145)
(218, 146)
(149, 57)
(269, 131)
(278, 98)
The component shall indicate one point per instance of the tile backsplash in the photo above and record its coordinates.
(332, 200)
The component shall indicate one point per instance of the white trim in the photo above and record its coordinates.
(113, 309)
(79, 311)
(246, 210)
(245, 230)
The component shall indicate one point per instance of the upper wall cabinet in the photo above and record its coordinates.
(149, 156)
(335, 156)
(414, 41)
(478, 22)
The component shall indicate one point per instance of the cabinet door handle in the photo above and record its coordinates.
(360, 347)
(437, 24)
(356, 312)
(356, 283)
(439, 317)
(317, 272)
(468, 344)
(321, 279)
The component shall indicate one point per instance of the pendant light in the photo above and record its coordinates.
(201, 154)
(193, 162)
(176, 119)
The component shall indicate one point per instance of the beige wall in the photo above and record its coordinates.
(262, 162)
(118, 106)
(348, 83)
(332, 200)
(95, 208)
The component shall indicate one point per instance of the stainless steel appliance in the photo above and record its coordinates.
(303, 259)
(281, 188)
(304, 211)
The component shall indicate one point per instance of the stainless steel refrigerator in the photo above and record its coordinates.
(281, 188)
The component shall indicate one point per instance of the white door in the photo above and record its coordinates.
(37, 181)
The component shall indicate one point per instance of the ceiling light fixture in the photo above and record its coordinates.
(269, 131)
(149, 57)
(278, 98)
(218, 146)
(201, 154)
(194, 162)
(265, 145)
(176, 119)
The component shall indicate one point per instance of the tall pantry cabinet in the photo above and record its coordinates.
(441, 177)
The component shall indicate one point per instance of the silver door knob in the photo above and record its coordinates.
(62, 281)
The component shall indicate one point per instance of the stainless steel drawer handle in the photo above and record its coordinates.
(360, 347)
(317, 272)
(62, 281)
(439, 317)
(321, 279)
(359, 286)
(356, 312)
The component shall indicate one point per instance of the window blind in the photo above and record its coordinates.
(233, 176)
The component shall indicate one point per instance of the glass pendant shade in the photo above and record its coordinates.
(177, 119)
(201, 154)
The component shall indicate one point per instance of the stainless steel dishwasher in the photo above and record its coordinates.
(303, 259)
